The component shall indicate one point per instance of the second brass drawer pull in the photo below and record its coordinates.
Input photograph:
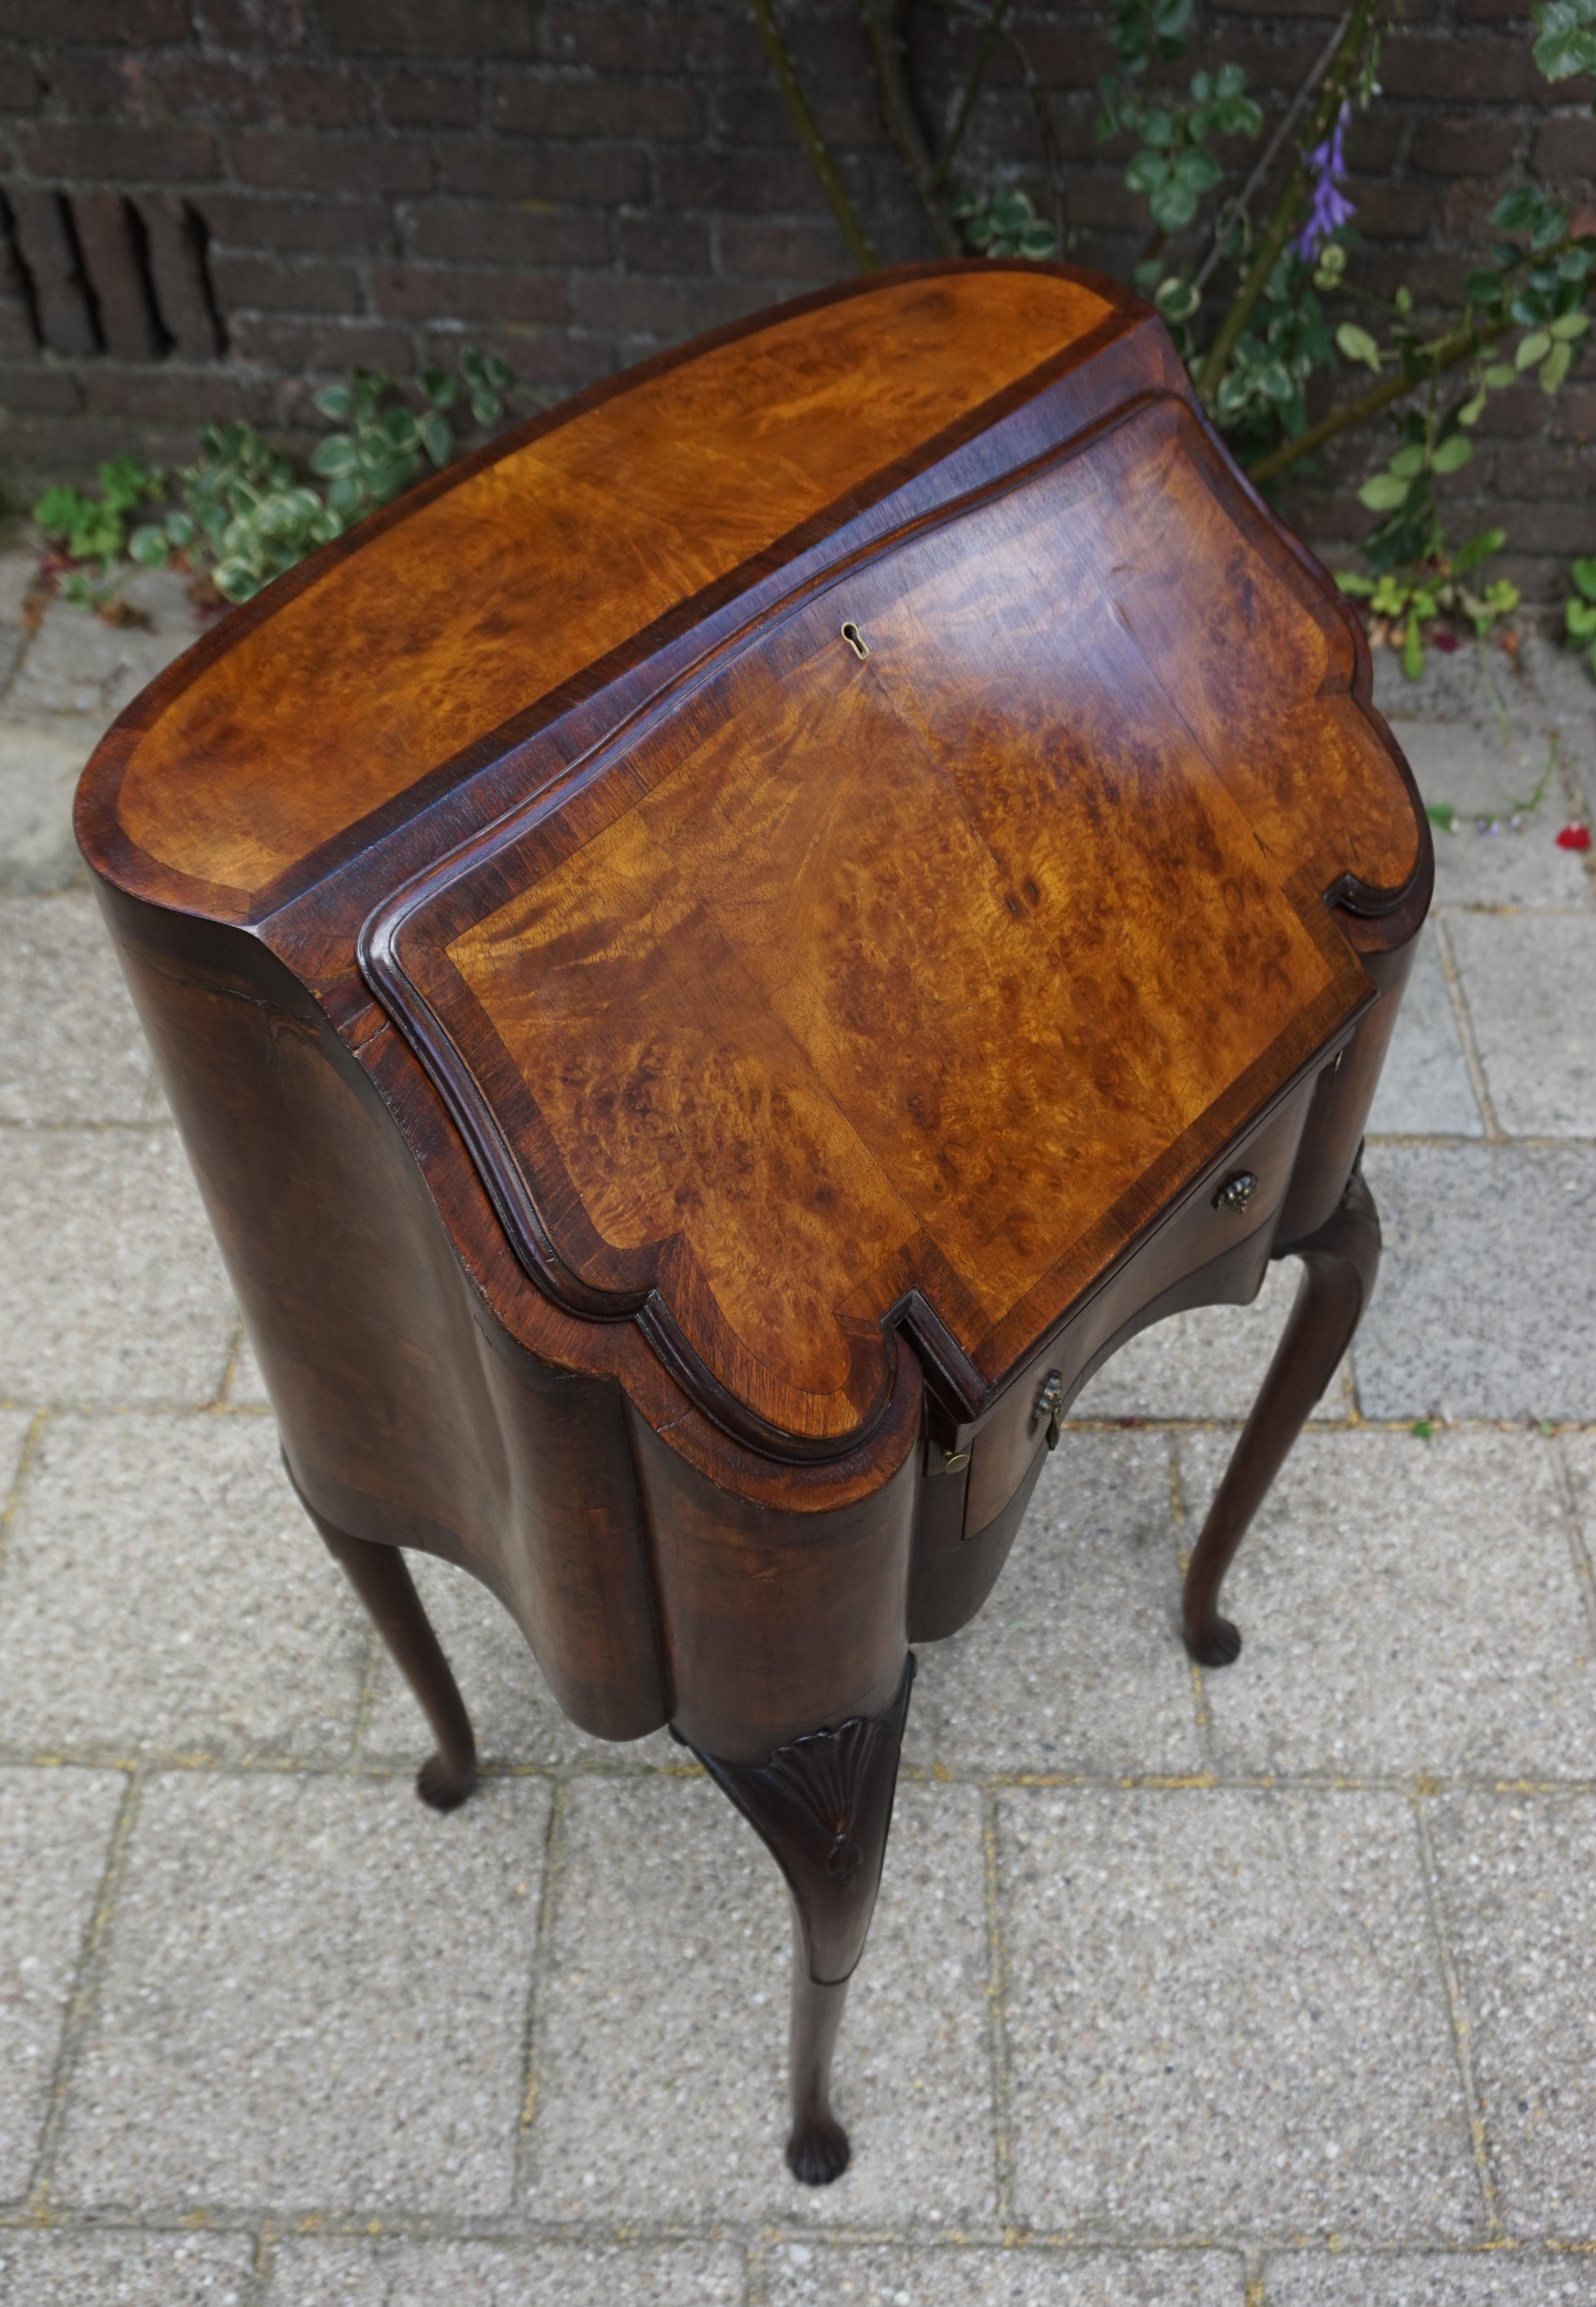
(1236, 1192)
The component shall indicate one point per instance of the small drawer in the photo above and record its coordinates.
(1235, 1197)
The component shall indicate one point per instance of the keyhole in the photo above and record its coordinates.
(855, 640)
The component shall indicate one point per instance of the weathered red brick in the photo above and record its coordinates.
(30, 387)
(629, 305)
(320, 347)
(429, 99)
(163, 393)
(109, 152)
(20, 85)
(106, 236)
(298, 160)
(563, 105)
(1465, 144)
(248, 281)
(788, 248)
(663, 244)
(131, 24)
(1566, 150)
(431, 27)
(440, 292)
(485, 232)
(274, 24)
(334, 228)
(494, 168)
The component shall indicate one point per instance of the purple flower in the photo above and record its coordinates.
(1330, 207)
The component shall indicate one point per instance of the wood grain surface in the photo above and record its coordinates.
(512, 578)
(852, 975)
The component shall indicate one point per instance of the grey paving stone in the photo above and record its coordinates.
(314, 1998)
(78, 665)
(55, 1832)
(1226, 2019)
(111, 1290)
(1405, 1606)
(490, 2275)
(13, 1433)
(1462, 686)
(1076, 1663)
(1491, 2278)
(126, 2269)
(1482, 1308)
(161, 1589)
(813, 2274)
(19, 565)
(1425, 1090)
(661, 2027)
(70, 1045)
(1472, 770)
(513, 1713)
(1209, 1363)
(1529, 980)
(1515, 1876)
(40, 763)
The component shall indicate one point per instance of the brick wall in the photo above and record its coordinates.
(211, 205)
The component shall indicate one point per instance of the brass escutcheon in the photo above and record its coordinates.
(855, 640)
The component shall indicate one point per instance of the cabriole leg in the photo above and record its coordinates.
(381, 1576)
(823, 1807)
(1339, 1266)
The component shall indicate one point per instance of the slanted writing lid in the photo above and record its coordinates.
(905, 975)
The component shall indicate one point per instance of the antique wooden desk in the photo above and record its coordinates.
(715, 960)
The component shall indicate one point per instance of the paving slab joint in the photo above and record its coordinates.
(1463, 2049)
(85, 1987)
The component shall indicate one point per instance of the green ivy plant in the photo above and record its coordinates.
(244, 514)
(1404, 600)
(1174, 166)
(89, 528)
(1265, 301)
(1579, 611)
(1006, 226)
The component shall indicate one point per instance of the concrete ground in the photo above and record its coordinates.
(1275, 1986)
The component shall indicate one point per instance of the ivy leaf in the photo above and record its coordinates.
(1384, 491)
(1473, 410)
(1556, 367)
(1499, 375)
(334, 457)
(1516, 210)
(1584, 577)
(335, 400)
(1567, 326)
(1174, 204)
(1409, 463)
(1580, 617)
(1565, 37)
(1534, 347)
(1454, 453)
(1356, 344)
(152, 547)
(1485, 286)
(434, 434)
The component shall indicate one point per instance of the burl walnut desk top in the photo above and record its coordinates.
(716, 959)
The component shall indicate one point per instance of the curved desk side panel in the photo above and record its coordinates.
(406, 1416)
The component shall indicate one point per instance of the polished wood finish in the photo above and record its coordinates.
(716, 960)
(1339, 1265)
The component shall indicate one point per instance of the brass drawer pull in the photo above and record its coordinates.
(1050, 1405)
(1236, 1192)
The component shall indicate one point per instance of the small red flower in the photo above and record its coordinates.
(1444, 641)
(1575, 836)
